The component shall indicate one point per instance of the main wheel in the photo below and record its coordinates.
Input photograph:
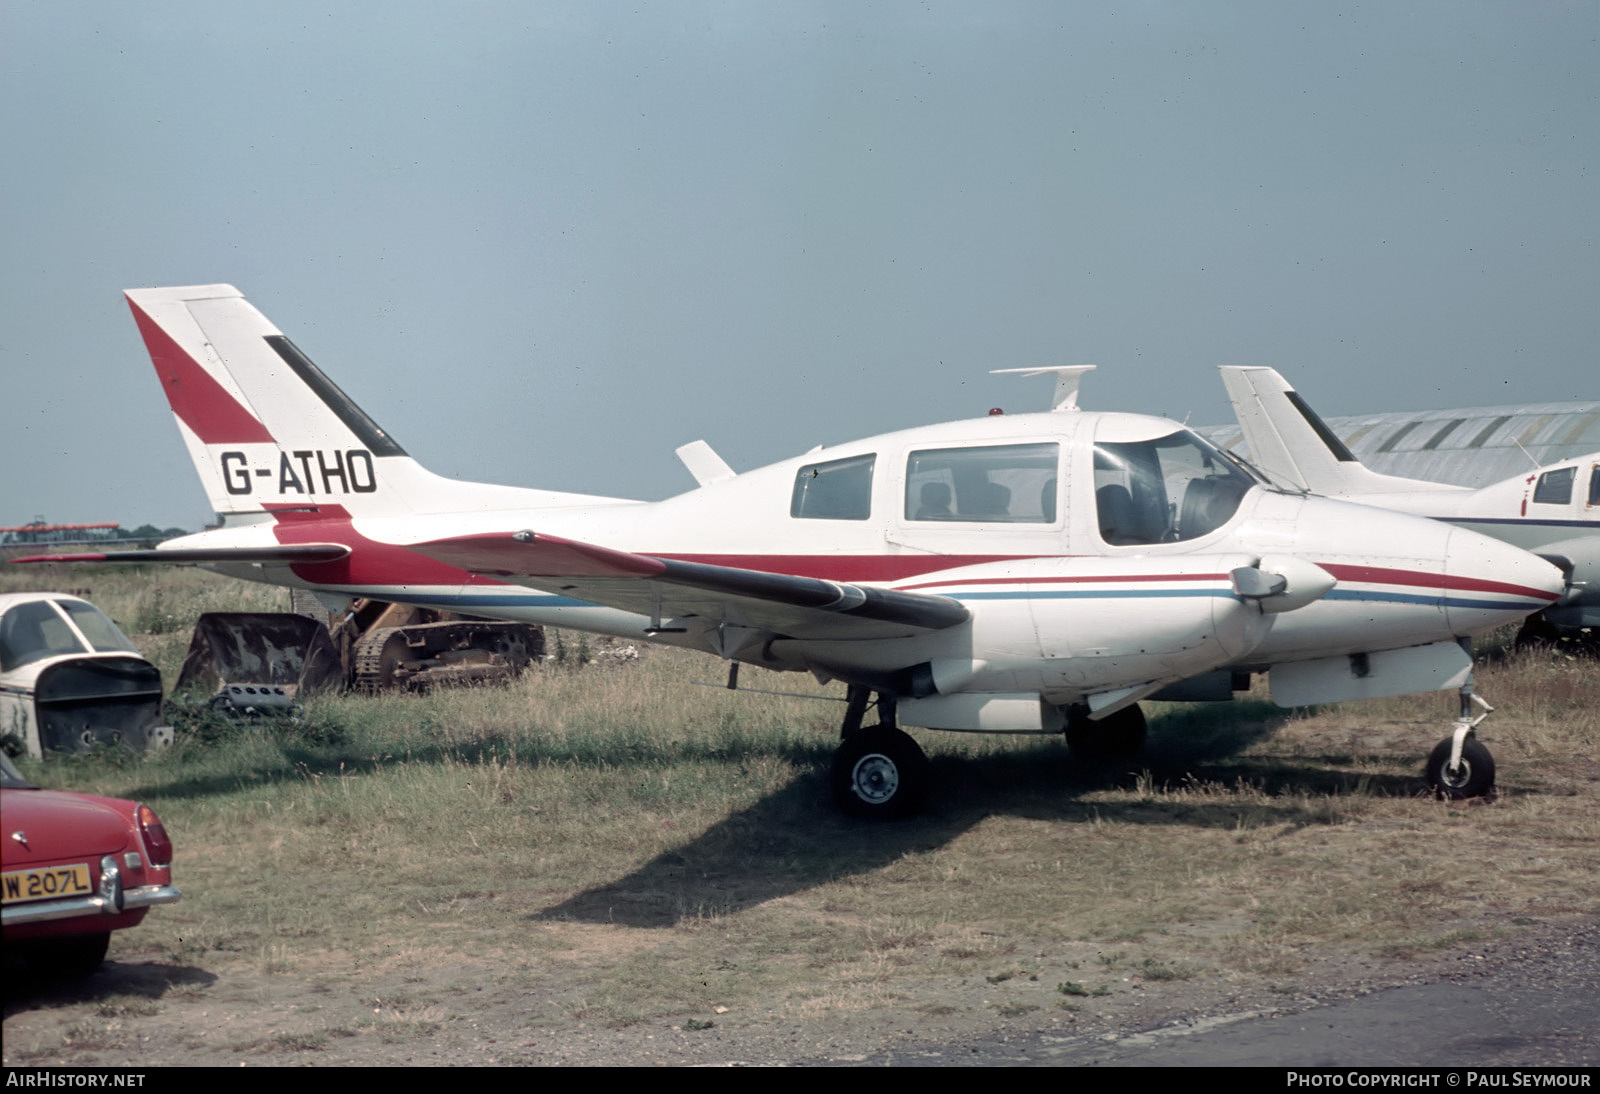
(1118, 736)
(1474, 778)
(879, 772)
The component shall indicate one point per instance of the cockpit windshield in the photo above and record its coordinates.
(37, 629)
(1166, 490)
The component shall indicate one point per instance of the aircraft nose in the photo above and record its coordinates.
(1492, 583)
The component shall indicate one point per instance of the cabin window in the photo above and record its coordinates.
(1555, 487)
(1000, 484)
(836, 490)
(1594, 486)
(1167, 490)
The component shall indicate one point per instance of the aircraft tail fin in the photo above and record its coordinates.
(1287, 439)
(268, 430)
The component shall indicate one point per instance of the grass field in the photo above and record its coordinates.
(631, 846)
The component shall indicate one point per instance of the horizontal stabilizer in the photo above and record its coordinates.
(297, 552)
(704, 464)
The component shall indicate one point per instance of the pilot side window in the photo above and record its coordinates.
(1008, 484)
(1167, 490)
(1555, 487)
(837, 490)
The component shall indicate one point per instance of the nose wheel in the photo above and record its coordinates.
(1459, 766)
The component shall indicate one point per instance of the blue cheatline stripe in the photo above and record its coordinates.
(1436, 600)
(1593, 524)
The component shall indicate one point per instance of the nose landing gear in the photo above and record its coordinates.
(1460, 766)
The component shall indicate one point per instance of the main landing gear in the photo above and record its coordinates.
(1116, 737)
(878, 771)
(1460, 766)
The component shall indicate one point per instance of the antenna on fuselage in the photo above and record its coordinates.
(1068, 377)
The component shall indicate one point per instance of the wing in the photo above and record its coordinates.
(678, 595)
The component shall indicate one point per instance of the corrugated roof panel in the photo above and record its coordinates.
(1586, 428)
(1488, 431)
(1388, 445)
(1491, 444)
(1353, 439)
(1530, 435)
(1433, 441)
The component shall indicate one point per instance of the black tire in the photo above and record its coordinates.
(73, 958)
(1474, 779)
(1119, 736)
(879, 773)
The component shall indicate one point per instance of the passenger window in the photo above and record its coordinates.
(1594, 486)
(837, 490)
(1004, 484)
(1555, 487)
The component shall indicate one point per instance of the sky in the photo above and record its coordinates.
(546, 244)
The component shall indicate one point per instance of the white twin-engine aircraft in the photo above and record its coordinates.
(1014, 573)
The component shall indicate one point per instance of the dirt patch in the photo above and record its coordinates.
(143, 1010)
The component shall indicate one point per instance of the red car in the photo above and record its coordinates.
(76, 868)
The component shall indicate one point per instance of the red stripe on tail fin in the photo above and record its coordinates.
(196, 398)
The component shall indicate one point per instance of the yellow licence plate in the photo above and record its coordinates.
(45, 884)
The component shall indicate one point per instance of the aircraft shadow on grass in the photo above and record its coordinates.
(794, 839)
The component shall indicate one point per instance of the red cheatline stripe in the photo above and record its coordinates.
(1382, 575)
(199, 401)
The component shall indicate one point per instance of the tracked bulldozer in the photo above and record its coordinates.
(260, 662)
(393, 645)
